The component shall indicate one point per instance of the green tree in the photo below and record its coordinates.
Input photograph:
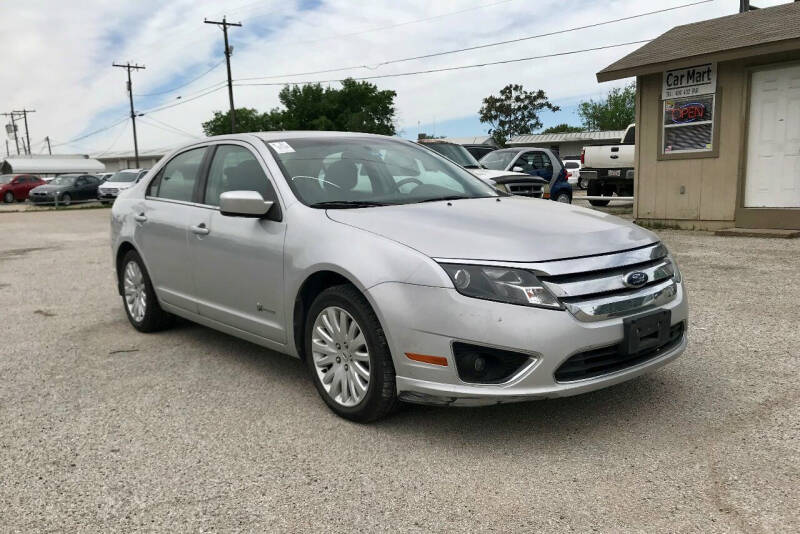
(356, 107)
(563, 128)
(247, 120)
(514, 111)
(614, 112)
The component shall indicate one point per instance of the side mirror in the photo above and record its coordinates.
(517, 169)
(244, 204)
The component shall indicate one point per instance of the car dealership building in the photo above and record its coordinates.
(718, 122)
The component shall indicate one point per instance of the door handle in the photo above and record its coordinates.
(140, 218)
(614, 156)
(200, 229)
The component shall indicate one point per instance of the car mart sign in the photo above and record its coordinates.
(690, 81)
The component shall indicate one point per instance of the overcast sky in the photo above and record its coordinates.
(57, 58)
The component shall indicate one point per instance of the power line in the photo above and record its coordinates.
(228, 51)
(129, 68)
(446, 69)
(182, 101)
(93, 132)
(183, 84)
(152, 121)
(478, 47)
(113, 143)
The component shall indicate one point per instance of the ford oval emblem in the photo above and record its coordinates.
(636, 279)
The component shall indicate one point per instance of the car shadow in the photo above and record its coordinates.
(632, 406)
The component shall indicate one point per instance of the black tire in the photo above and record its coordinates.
(8, 198)
(381, 396)
(66, 199)
(155, 318)
(595, 190)
(564, 198)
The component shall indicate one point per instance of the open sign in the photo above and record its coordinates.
(689, 112)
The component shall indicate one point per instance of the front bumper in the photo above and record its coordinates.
(428, 320)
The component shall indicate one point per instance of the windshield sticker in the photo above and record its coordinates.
(281, 147)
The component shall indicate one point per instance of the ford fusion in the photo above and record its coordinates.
(393, 273)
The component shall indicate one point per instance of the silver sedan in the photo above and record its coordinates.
(395, 274)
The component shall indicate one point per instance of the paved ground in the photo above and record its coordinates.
(105, 429)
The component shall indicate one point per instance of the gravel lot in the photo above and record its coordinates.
(106, 429)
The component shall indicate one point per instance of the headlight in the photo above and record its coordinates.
(676, 270)
(502, 284)
(501, 187)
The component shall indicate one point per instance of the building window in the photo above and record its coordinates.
(688, 125)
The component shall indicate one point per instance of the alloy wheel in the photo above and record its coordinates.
(135, 294)
(340, 356)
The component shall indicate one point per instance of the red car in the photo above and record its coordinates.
(16, 186)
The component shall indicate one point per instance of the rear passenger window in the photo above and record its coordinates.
(235, 168)
(177, 179)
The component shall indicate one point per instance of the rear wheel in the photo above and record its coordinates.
(138, 297)
(8, 198)
(596, 190)
(348, 356)
(564, 198)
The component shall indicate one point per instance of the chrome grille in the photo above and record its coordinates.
(525, 189)
(595, 288)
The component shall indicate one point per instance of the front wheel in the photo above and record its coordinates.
(66, 199)
(139, 298)
(348, 356)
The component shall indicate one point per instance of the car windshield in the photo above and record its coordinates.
(457, 153)
(5, 178)
(124, 176)
(498, 160)
(64, 179)
(341, 172)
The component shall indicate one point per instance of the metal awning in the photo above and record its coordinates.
(50, 165)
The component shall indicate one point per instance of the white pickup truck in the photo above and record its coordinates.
(608, 169)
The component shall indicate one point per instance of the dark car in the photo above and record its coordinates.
(16, 186)
(478, 151)
(453, 152)
(66, 189)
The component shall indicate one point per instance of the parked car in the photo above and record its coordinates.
(117, 182)
(65, 189)
(515, 183)
(104, 176)
(394, 273)
(536, 162)
(573, 167)
(478, 151)
(608, 169)
(15, 187)
(452, 151)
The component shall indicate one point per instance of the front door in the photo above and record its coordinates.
(238, 261)
(162, 228)
(773, 140)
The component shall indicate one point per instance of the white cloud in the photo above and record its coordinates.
(57, 55)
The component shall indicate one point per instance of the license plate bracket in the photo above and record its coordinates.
(646, 331)
(614, 172)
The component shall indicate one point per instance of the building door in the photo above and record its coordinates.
(773, 141)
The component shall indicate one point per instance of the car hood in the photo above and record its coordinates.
(514, 229)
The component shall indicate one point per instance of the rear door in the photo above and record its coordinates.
(238, 261)
(162, 227)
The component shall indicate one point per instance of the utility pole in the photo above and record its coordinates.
(49, 150)
(13, 128)
(130, 67)
(24, 113)
(228, 51)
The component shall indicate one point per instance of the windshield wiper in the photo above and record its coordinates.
(437, 199)
(344, 204)
(472, 166)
